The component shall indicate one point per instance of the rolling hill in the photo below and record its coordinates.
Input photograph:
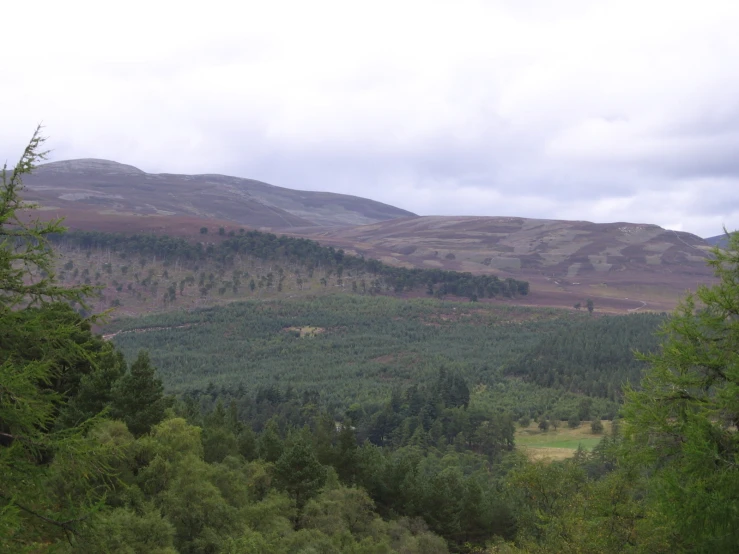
(107, 189)
(565, 249)
(719, 240)
(626, 266)
(623, 267)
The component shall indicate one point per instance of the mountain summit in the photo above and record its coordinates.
(88, 165)
(111, 188)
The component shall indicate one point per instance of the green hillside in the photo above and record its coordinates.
(354, 348)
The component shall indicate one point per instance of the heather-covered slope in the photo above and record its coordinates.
(110, 188)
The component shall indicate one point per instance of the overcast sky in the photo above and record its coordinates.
(598, 110)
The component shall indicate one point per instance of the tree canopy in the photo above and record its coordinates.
(41, 350)
(683, 420)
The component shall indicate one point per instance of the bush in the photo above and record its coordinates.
(596, 426)
(544, 425)
(573, 422)
(525, 421)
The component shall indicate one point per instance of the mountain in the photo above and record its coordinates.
(107, 189)
(621, 266)
(719, 240)
(556, 247)
(628, 266)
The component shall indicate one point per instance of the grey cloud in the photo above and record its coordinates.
(616, 110)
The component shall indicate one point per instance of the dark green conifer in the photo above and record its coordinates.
(138, 396)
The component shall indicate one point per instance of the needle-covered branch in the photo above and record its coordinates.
(27, 274)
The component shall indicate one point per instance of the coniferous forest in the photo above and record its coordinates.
(306, 254)
(356, 423)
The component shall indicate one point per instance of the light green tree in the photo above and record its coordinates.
(27, 275)
(682, 423)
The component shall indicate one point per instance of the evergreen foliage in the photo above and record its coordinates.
(682, 423)
(305, 253)
(356, 349)
(138, 396)
(299, 473)
(56, 382)
(43, 352)
(594, 357)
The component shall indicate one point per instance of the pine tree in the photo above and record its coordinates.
(346, 457)
(138, 396)
(269, 444)
(27, 275)
(299, 472)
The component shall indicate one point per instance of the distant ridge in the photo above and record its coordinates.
(112, 188)
(622, 266)
(721, 241)
(89, 165)
(559, 248)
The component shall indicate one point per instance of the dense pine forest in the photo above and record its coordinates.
(357, 424)
(352, 349)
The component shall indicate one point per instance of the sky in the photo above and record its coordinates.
(591, 110)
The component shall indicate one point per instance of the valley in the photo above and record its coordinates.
(369, 278)
(344, 376)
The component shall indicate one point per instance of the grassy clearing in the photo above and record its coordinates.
(306, 331)
(557, 444)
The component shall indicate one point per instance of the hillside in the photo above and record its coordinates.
(149, 273)
(623, 267)
(566, 249)
(627, 266)
(353, 422)
(99, 189)
(718, 240)
(357, 349)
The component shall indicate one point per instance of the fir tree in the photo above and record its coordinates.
(299, 472)
(138, 396)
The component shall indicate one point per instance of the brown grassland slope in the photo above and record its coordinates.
(621, 267)
(112, 189)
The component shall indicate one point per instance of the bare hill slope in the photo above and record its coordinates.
(109, 188)
(719, 240)
(559, 248)
(624, 264)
